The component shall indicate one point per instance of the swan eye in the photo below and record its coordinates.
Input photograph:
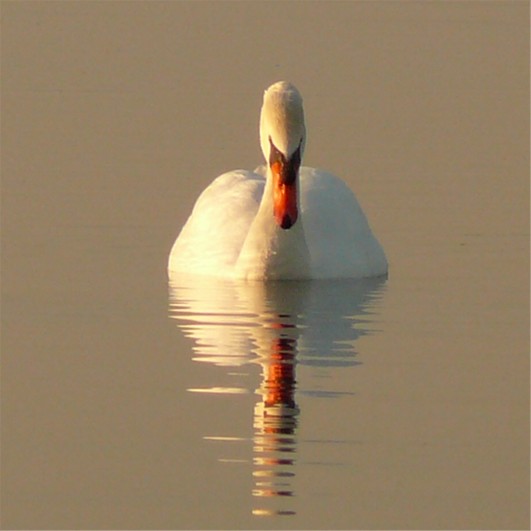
(287, 169)
(296, 157)
(275, 155)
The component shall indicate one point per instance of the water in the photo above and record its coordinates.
(300, 335)
(132, 403)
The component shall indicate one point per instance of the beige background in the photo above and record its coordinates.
(115, 115)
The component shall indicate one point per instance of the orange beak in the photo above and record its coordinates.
(284, 193)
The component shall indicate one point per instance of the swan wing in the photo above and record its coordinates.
(211, 239)
(338, 235)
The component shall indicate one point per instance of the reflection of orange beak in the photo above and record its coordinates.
(285, 193)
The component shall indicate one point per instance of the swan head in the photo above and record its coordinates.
(282, 138)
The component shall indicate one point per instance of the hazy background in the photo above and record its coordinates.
(115, 115)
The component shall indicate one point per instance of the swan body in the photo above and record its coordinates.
(282, 221)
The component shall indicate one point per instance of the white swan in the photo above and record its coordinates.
(282, 221)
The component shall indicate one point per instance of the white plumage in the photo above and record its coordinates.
(233, 232)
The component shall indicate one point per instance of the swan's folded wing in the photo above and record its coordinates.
(339, 238)
(211, 239)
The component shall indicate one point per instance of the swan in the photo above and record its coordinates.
(281, 221)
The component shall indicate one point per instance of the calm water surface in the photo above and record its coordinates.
(283, 343)
(129, 402)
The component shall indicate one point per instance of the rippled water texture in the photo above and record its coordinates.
(284, 329)
(132, 403)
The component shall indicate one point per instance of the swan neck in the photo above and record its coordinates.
(270, 252)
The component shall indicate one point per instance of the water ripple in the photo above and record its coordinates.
(276, 326)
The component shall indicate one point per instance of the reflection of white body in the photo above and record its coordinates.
(234, 322)
(281, 222)
(280, 326)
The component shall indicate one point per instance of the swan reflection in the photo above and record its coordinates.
(277, 326)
